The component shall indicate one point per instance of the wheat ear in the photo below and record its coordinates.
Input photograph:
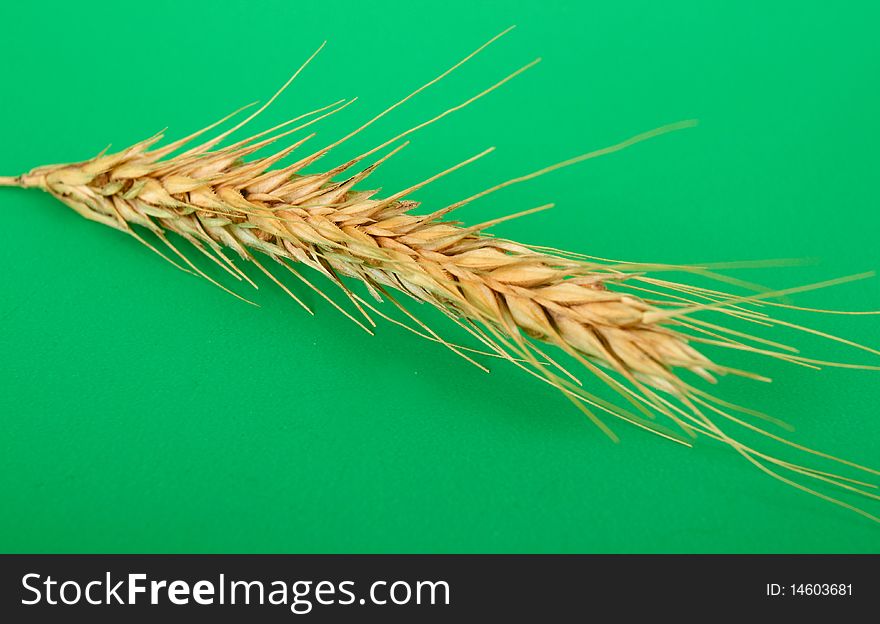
(630, 329)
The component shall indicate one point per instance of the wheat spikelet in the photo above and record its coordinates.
(633, 331)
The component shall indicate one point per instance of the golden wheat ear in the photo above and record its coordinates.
(621, 322)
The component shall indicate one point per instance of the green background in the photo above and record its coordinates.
(145, 410)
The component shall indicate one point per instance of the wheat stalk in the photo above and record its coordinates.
(633, 331)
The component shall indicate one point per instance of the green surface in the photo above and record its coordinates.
(145, 410)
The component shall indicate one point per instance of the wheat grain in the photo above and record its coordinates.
(633, 331)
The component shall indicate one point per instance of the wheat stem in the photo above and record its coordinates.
(508, 295)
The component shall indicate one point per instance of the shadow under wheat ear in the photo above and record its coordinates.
(627, 327)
